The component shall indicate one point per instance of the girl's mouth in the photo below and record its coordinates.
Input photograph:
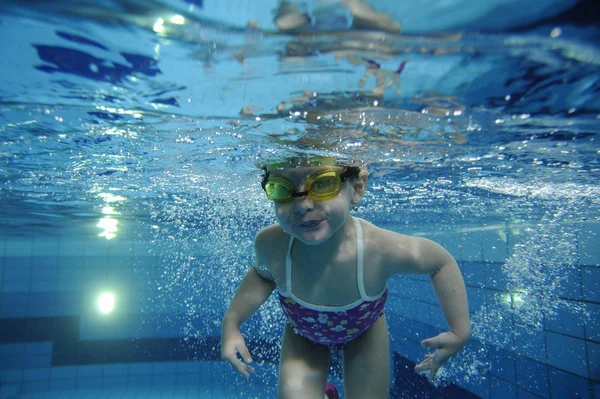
(308, 224)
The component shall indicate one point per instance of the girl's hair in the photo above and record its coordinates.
(304, 161)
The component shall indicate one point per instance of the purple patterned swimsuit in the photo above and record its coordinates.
(333, 326)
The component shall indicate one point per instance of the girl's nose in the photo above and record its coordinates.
(303, 204)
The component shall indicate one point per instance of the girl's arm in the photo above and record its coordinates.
(422, 256)
(252, 293)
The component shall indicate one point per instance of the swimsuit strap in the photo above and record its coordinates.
(288, 267)
(359, 263)
(360, 278)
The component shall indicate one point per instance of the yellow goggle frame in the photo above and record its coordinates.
(321, 186)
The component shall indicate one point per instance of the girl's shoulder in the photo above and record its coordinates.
(392, 248)
(270, 246)
(270, 236)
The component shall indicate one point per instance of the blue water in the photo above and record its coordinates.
(131, 132)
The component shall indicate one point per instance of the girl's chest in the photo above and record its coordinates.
(334, 283)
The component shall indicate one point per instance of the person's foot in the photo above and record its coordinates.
(331, 391)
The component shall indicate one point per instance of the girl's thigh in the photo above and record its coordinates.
(303, 367)
(367, 364)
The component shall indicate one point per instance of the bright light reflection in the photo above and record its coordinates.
(109, 210)
(109, 225)
(108, 197)
(106, 302)
(159, 26)
(177, 19)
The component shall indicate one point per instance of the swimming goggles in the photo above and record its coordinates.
(321, 186)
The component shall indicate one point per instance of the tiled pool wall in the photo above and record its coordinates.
(53, 339)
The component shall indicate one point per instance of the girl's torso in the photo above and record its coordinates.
(331, 281)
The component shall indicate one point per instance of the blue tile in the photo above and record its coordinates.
(43, 273)
(566, 385)
(41, 298)
(36, 374)
(43, 286)
(533, 376)
(139, 380)
(502, 389)
(494, 245)
(568, 320)
(115, 369)
(590, 277)
(12, 362)
(164, 368)
(530, 342)
(473, 274)
(115, 382)
(188, 367)
(35, 387)
(476, 298)
(8, 350)
(471, 247)
(16, 262)
(89, 371)
(11, 376)
(70, 275)
(503, 364)
(16, 286)
(140, 369)
(567, 353)
(594, 355)
(422, 311)
(592, 321)
(479, 387)
(37, 361)
(89, 383)
(17, 273)
(589, 251)
(523, 394)
(11, 390)
(17, 312)
(495, 277)
(63, 373)
(62, 385)
(570, 287)
(188, 379)
(164, 379)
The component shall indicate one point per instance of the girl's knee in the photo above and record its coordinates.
(295, 382)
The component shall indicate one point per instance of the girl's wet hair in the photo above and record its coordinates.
(304, 161)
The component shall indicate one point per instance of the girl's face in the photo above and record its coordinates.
(312, 221)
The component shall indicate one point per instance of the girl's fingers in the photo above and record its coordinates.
(243, 351)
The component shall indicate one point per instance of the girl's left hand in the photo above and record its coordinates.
(446, 344)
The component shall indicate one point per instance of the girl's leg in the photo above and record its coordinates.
(367, 364)
(303, 367)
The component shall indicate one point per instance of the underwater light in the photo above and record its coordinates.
(109, 225)
(106, 302)
(159, 26)
(177, 19)
(109, 210)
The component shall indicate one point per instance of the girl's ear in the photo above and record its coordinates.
(360, 186)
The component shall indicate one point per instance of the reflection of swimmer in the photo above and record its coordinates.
(290, 17)
(331, 271)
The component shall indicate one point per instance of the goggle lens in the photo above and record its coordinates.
(279, 189)
(321, 186)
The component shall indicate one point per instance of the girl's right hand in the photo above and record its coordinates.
(232, 344)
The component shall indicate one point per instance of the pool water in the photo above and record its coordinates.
(131, 136)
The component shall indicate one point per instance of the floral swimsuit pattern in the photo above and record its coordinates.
(333, 326)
